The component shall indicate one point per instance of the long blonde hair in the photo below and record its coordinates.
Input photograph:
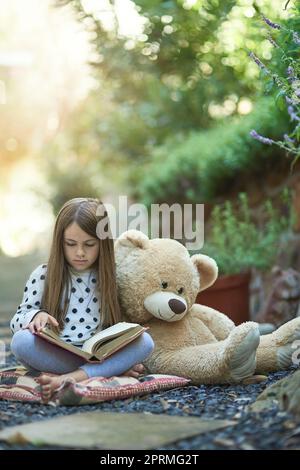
(58, 280)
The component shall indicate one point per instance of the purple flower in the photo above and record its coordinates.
(296, 38)
(288, 139)
(290, 101)
(258, 62)
(260, 138)
(292, 114)
(291, 74)
(270, 23)
(272, 41)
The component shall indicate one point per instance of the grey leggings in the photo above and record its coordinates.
(36, 353)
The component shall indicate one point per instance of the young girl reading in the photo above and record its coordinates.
(75, 294)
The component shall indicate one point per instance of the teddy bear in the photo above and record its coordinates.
(158, 282)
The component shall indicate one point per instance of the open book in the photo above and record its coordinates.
(100, 346)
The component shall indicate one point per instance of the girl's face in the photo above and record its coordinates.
(80, 249)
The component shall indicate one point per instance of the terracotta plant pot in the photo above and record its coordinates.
(229, 295)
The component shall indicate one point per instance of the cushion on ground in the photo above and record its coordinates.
(19, 384)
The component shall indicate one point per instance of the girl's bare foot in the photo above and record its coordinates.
(135, 371)
(49, 384)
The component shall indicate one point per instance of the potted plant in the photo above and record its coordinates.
(239, 244)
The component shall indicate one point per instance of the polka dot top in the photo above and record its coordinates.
(83, 313)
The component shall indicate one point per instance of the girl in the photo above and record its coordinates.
(75, 293)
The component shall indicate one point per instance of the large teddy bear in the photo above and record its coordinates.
(158, 282)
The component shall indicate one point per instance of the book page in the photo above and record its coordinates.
(112, 332)
(104, 350)
(111, 342)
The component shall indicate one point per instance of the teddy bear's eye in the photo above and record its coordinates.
(164, 285)
(180, 290)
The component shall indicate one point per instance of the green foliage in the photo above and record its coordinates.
(162, 85)
(281, 78)
(150, 117)
(238, 243)
(206, 164)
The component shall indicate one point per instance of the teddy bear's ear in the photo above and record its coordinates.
(207, 269)
(132, 239)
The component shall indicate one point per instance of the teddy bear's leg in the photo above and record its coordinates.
(230, 360)
(240, 351)
(218, 323)
(276, 350)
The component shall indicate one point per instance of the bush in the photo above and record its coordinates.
(238, 243)
(205, 164)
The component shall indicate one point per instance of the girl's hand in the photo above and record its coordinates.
(135, 371)
(39, 321)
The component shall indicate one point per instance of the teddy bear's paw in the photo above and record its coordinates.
(242, 362)
(287, 332)
(290, 335)
(254, 379)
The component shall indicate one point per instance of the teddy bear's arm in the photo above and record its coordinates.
(218, 323)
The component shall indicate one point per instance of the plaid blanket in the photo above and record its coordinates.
(19, 384)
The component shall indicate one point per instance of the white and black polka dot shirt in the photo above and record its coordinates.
(83, 313)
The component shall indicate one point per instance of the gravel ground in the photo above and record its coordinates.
(272, 429)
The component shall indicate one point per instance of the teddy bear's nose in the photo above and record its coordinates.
(176, 306)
